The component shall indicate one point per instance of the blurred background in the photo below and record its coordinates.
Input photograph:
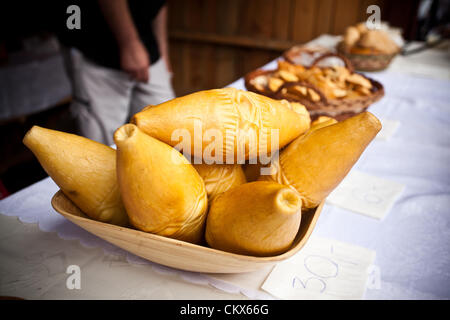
(212, 43)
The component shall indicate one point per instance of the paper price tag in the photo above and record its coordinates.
(323, 269)
(366, 194)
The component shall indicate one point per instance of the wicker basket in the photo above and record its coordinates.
(339, 109)
(366, 62)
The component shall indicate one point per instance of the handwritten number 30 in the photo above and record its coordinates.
(318, 277)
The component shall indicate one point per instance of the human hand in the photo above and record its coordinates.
(135, 61)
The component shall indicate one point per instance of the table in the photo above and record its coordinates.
(412, 243)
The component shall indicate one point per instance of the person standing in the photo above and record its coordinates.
(118, 63)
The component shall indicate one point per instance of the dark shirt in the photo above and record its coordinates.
(95, 38)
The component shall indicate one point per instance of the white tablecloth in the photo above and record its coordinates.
(412, 243)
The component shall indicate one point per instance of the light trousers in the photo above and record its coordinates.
(104, 98)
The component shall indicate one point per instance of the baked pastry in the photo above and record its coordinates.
(333, 91)
(253, 171)
(361, 27)
(83, 169)
(219, 178)
(257, 218)
(313, 84)
(351, 36)
(358, 39)
(316, 162)
(377, 41)
(224, 124)
(368, 50)
(161, 190)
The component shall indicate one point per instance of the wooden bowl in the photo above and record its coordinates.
(179, 254)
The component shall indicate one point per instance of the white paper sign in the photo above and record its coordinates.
(366, 194)
(323, 269)
(389, 127)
